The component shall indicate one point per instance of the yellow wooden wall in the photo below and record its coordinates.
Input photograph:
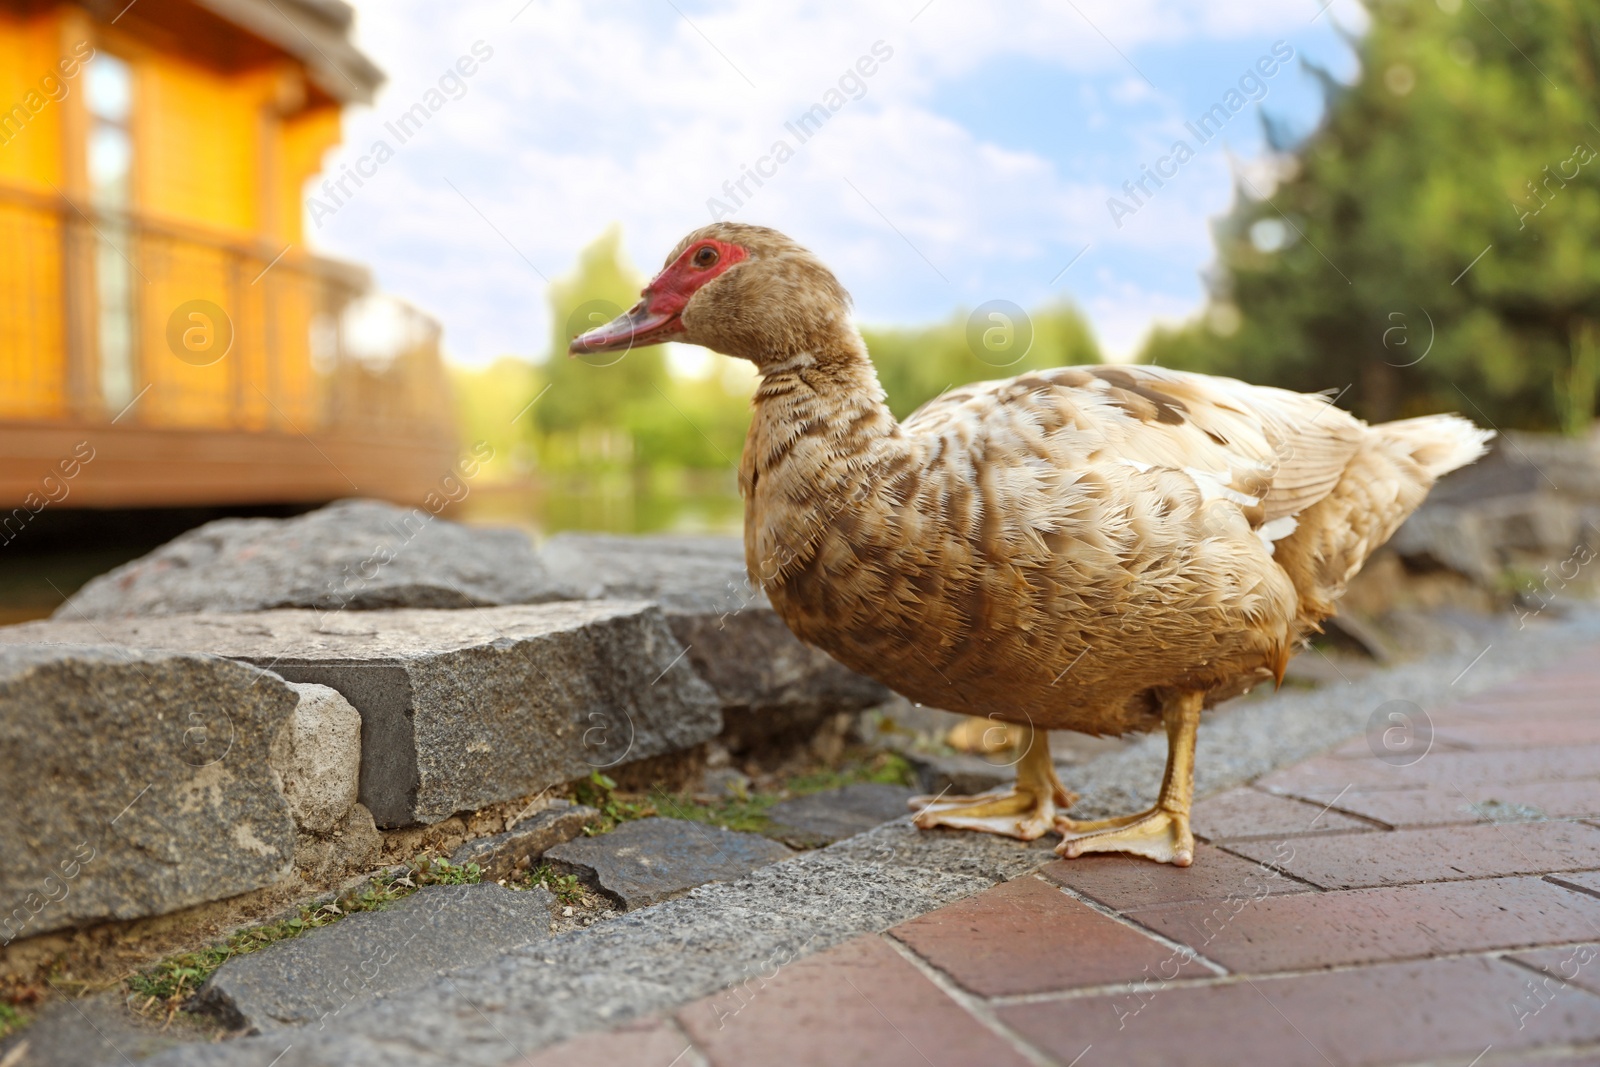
(221, 160)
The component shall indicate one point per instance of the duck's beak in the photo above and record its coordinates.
(639, 326)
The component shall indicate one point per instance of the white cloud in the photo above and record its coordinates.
(589, 114)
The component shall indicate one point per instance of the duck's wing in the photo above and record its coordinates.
(1273, 452)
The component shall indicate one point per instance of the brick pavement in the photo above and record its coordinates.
(1342, 911)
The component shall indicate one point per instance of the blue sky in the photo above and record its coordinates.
(974, 163)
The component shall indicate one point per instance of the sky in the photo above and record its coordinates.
(969, 152)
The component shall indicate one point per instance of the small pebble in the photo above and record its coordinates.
(567, 911)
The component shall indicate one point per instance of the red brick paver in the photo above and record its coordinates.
(1341, 912)
(857, 1003)
(1240, 814)
(1375, 925)
(1127, 882)
(1350, 861)
(1432, 1011)
(1027, 936)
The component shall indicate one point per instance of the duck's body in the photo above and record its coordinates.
(1104, 549)
(1056, 549)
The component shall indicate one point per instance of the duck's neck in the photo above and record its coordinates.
(821, 440)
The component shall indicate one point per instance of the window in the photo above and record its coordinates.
(109, 94)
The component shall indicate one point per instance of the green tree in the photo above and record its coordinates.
(916, 365)
(1447, 204)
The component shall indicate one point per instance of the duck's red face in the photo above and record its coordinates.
(658, 316)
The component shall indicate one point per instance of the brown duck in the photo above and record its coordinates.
(1105, 549)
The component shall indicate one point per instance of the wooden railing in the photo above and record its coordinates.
(98, 323)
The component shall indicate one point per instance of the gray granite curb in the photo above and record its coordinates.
(662, 957)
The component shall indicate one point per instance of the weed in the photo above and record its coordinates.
(599, 791)
(564, 886)
(10, 1019)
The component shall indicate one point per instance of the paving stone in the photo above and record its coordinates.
(1326, 776)
(322, 973)
(354, 554)
(959, 773)
(650, 860)
(460, 709)
(1027, 936)
(1375, 925)
(135, 784)
(834, 814)
(652, 1042)
(1583, 882)
(519, 849)
(1441, 805)
(1438, 1011)
(1245, 813)
(735, 640)
(1446, 853)
(1524, 733)
(860, 1004)
(1577, 965)
(95, 1031)
(1124, 882)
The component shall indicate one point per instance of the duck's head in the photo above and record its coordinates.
(742, 290)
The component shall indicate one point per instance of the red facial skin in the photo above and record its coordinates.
(656, 318)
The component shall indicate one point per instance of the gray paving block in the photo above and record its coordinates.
(735, 640)
(317, 976)
(518, 849)
(354, 554)
(463, 708)
(135, 783)
(650, 860)
(826, 817)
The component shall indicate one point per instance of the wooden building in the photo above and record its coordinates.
(166, 337)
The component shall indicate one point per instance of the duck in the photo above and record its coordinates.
(1111, 548)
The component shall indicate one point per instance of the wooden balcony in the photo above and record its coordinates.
(146, 364)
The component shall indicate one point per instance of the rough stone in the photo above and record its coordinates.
(322, 768)
(135, 783)
(318, 975)
(826, 817)
(735, 640)
(95, 1031)
(355, 554)
(353, 846)
(650, 860)
(517, 849)
(461, 709)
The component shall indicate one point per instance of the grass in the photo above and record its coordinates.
(10, 1019)
(173, 980)
(565, 887)
(749, 813)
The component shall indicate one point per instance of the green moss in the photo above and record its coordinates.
(11, 1019)
(176, 978)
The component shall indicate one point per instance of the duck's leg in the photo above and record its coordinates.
(1162, 833)
(1027, 810)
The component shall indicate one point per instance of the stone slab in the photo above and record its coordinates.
(518, 849)
(735, 640)
(832, 815)
(650, 860)
(354, 554)
(135, 783)
(462, 708)
(320, 974)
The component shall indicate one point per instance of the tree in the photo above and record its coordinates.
(1430, 246)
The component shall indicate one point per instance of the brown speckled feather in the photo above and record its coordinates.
(1058, 548)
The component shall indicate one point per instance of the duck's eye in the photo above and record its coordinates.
(705, 257)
